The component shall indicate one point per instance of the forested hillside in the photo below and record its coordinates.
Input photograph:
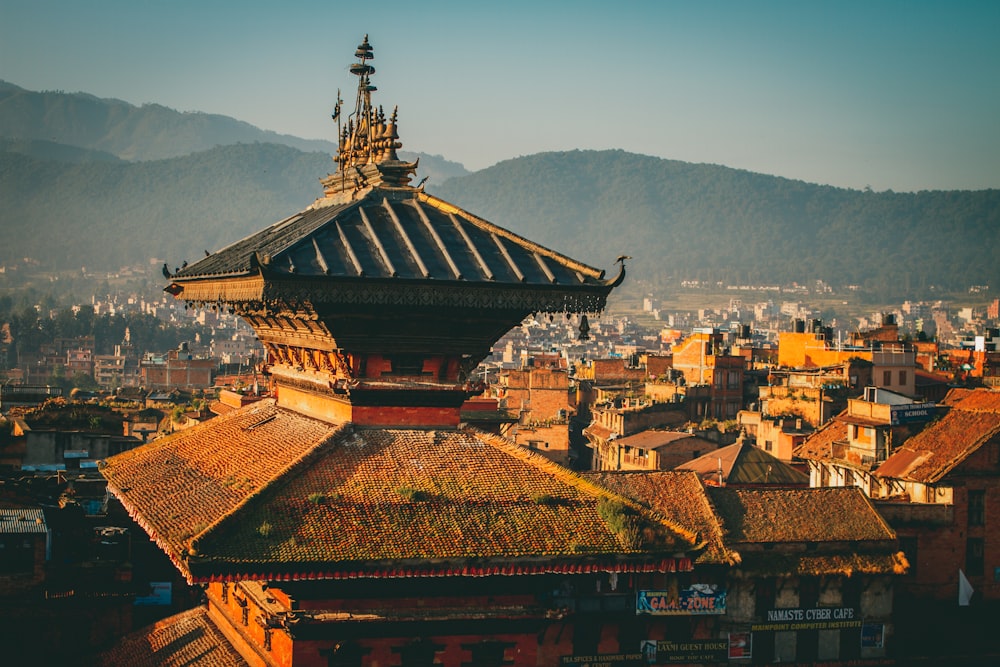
(106, 215)
(696, 221)
(72, 194)
(151, 131)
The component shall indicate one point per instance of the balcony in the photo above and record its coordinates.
(862, 457)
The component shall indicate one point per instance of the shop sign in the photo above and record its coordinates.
(817, 618)
(659, 652)
(159, 594)
(906, 414)
(873, 635)
(698, 600)
(605, 660)
(740, 645)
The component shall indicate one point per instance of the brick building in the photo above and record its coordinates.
(544, 403)
(705, 362)
(178, 369)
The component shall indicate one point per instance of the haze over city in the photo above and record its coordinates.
(890, 95)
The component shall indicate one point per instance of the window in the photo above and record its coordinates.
(974, 557)
(734, 379)
(768, 446)
(977, 507)
(886, 378)
(902, 378)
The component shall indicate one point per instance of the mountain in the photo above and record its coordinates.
(106, 215)
(707, 222)
(151, 131)
(72, 194)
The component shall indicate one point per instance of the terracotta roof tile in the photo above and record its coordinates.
(973, 418)
(676, 494)
(819, 445)
(280, 493)
(176, 487)
(189, 639)
(654, 439)
(798, 515)
(846, 564)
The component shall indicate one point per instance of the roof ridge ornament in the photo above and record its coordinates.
(367, 140)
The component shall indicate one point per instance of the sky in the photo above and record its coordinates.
(886, 94)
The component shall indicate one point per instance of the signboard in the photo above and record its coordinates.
(818, 618)
(605, 660)
(910, 413)
(698, 600)
(159, 594)
(740, 645)
(684, 652)
(872, 635)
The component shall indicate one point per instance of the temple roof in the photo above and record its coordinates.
(188, 639)
(371, 225)
(678, 494)
(282, 496)
(402, 237)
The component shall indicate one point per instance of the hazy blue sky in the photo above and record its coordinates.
(891, 94)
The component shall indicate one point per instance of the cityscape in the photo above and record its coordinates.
(385, 429)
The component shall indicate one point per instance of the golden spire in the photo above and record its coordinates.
(367, 142)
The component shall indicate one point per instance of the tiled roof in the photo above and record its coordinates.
(188, 639)
(745, 464)
(974, 399)
(973, 418)
(406, 235)
(176, 487)
(265, 492)
(22, 521)
(598, 431)
(798, 515)
(676, 494)
(818, 446)
(769, 563)
(653, 439)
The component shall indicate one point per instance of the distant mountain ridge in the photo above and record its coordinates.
(707, 222)
(71, 195)
(150, 131)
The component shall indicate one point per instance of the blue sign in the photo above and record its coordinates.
(911, 412)
(698, 600)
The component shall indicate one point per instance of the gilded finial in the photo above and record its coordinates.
(367, 140)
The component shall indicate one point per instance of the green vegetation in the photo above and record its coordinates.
(209, 180)
(413, 495)
(623, 521)
(682, 221)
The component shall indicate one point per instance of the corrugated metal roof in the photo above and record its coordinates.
(746, 464)
(22, 521)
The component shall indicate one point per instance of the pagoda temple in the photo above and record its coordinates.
(352, 518)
